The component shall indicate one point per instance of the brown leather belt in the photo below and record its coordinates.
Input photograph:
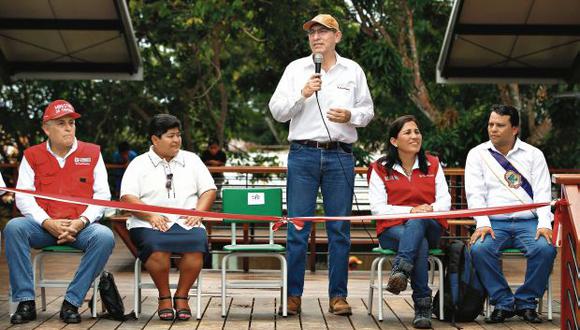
(325, 145)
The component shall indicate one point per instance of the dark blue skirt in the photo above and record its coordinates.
(177, 240)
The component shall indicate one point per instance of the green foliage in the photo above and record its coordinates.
(561, 148)
(215, 64)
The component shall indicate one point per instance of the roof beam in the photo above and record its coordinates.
(487, 72)
(17, 67)
(518, 29)
(60, 24)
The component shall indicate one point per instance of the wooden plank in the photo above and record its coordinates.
(390, 320)
(310, 318)
(334, 321)
(291, 322)
(239, 314)
(212, 319)
(263, 314)
(360, 318)
(193, 323)
(104, 324)
(402, 310)
(148, 311)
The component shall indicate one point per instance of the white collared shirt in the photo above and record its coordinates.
(146, 179)
(27, 204)
(484, 189)
(2, 184)
(378, 194)
(343, 86)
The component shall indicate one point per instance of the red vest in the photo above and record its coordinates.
(402, 191)
(76, 178)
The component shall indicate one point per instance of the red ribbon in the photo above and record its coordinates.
(298, 222)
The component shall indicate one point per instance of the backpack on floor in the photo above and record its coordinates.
(464, 295)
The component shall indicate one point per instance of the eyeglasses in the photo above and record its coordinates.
(321, 31)
(169, 184)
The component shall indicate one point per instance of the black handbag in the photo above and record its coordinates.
(111, 299)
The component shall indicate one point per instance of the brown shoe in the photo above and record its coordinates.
(294, 303)
(339, 306)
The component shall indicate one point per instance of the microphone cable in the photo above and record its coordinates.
(343, 170)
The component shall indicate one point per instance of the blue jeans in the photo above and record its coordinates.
(308, 170)
(412, 241)
(519, 234)
(96, 240)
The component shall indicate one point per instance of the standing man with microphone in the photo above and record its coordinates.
(325, 97)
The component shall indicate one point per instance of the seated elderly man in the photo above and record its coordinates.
(508, 171)
(61, 165)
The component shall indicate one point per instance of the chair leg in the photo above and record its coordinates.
(372, 284)
(39, 261)
(94, 313)
(380, 287)
(550, 297)
(431, 270)
(137, 288)
(487, 308)
(284, 267)
(437, 261)
(224, 283)
(198, 296)
(11, 304)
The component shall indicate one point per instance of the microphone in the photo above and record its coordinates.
(317, 62)
(317, 66)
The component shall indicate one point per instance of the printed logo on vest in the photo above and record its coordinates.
(83, 161)
(426, 175)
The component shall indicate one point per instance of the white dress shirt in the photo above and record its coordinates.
(2, 184)
(27, 204)
(343, 86)
(484, 189)
(146, 179)
(378, 195)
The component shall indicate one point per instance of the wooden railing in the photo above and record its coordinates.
(570, 222)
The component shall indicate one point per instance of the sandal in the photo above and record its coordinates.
(165, 314)
(182, 314)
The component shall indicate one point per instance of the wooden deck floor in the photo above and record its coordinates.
(252, 309)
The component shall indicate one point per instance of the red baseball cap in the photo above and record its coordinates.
(57, 109)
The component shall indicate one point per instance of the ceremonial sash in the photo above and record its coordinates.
(513, 177)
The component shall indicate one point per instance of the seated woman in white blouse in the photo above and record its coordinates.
(407, 180)
(169, 176)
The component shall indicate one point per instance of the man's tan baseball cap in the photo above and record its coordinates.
(322, 19)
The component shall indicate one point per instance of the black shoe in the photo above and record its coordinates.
(529, 315)
(25, 312)
(69, 313)
(499, 315)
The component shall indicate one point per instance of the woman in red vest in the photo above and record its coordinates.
(407, 180)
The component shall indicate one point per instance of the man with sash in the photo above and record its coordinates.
(508, 171)
(61, 165)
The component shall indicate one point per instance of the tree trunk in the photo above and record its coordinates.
(420, 94)
(223, 111)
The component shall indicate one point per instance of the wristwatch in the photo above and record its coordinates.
(85, 221)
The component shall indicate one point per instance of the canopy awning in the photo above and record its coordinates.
(524, 41)
(67, 39)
